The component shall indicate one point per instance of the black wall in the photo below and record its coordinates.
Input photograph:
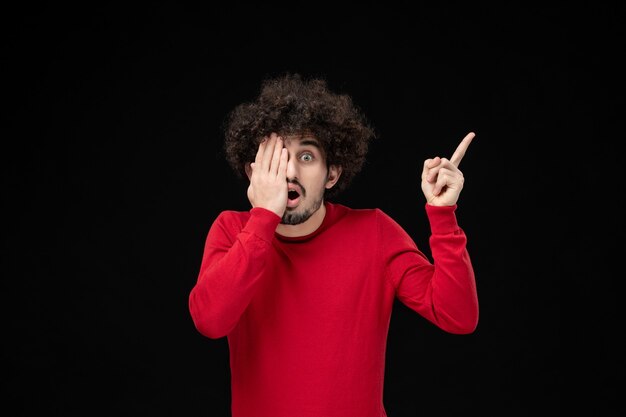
(113, 173)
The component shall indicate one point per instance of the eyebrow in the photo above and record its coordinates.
(312, 142)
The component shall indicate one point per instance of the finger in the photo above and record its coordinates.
(430, 164)
(278, 146)
(442, 181)
(447, 165)
(460, 150)
(259, 152)
(282, 165)
(444, 163)
(432, 174)
(268, 152)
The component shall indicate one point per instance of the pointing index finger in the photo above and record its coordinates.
(460, 150)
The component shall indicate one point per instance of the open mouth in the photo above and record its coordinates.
(293, 198)
(293, 195)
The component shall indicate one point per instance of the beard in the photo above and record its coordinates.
(299, 215)
(296, 217)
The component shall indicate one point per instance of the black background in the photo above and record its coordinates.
(113, 172)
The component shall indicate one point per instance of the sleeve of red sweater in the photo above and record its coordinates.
(442, 291)
(232, 265)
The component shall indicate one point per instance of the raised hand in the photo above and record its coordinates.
(268, 180)
(442, 181)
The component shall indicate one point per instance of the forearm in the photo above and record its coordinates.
(454, 297)
(229, 276)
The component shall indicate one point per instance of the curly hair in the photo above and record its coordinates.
(292, 105)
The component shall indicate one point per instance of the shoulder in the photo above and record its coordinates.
(231, 220)
(372, 223)
(360, 216)
(343, 211)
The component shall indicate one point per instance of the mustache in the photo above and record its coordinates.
(299, 185)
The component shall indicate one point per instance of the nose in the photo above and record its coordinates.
(292, 167)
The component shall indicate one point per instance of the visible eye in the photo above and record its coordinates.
(307, 157)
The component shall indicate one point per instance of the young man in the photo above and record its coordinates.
(303, 288)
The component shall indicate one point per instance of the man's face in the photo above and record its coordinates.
(307, 178)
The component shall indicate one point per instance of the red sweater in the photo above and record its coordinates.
(307, 317)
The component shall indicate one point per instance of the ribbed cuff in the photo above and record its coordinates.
(262, 223)
(442, 219)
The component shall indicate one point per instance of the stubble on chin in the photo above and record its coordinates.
(295, 217)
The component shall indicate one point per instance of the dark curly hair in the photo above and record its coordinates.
(292, 105)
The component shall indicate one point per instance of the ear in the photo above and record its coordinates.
(248, 169)
(334, 172)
